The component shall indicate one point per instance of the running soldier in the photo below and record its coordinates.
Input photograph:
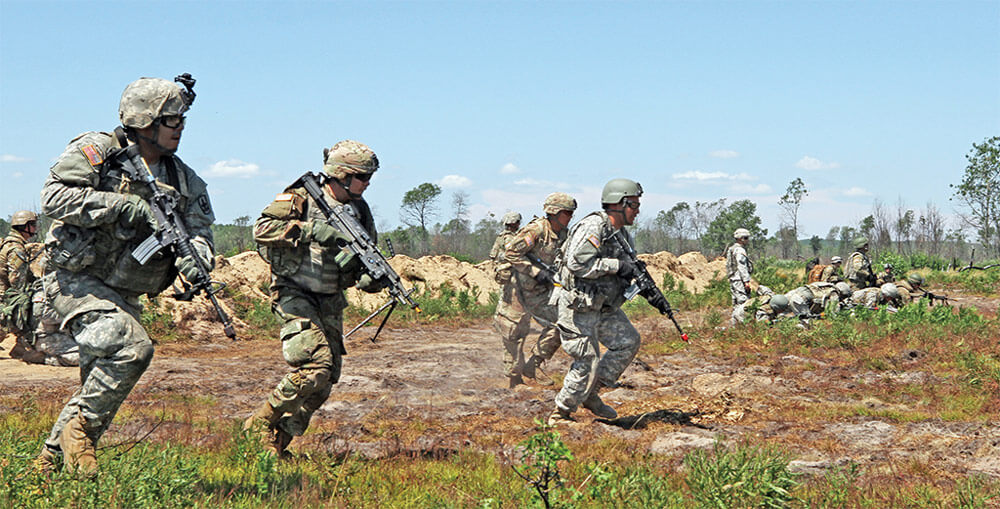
(101, 215)
(498, 253)
(16, 278)
(594, 274)
(532, 253)
(310, 270)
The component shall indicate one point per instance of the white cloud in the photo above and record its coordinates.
(724, 154)
(454, 182)
(857, 191)
(11, 158)
(531, 182)
(17, 174)
(813, 164)
(703, 176)
(233, 168)
(510, 169)
(751, 189)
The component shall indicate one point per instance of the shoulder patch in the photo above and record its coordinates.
(206, 207)
(529, 240)
(93, 156)
(594, 240)
(284, 197)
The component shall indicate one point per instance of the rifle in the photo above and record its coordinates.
(546, 267)
(171, 233)
(644, 284)
(934, 297)
(373, 262)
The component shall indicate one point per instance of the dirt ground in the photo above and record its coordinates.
(430, 390)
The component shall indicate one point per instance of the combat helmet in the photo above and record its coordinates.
(741, 233)
(889, 291)
(860, 242)
(511, 218)
(23, 217)
(844, 289)
(349, 157)
(557, 202)
(617, 189)
(779, 303)
(835, 260)
(915, 279)
(147, 99)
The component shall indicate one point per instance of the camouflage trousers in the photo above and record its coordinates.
(739, 291)
(114, 349)
(582, 331)
(56, 348)
(312, 344)
(513, 322)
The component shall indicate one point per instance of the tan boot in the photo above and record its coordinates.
(79, 453)
(531, 368)
(595, 405)
(262, 423)
(45, 462)
(560, 416)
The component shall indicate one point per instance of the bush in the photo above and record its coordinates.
(749, 476)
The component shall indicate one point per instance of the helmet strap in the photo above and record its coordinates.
(152, 140)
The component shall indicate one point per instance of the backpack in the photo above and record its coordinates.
(816, 273)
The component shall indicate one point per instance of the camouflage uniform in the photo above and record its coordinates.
(868, 297)
(831, 274)
(94, 285)
(739, 269)
(907, 292)
(307, 289)
(523, 298)
(764, 311)
(14, 262)
(501, 267)
(590, 311)
(858, 271)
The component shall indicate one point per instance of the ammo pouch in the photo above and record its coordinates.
(585, 298)
(502, 272)
(284, 261)
(70, 247)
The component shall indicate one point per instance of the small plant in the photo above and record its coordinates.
(542, 453)
(754, 476)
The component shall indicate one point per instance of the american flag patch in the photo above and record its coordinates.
(594, 240)
(93, 156)
(284, 197)
(529, 240)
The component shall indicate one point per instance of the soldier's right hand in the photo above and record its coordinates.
(628, 270)
(327, 235)
(134, 212)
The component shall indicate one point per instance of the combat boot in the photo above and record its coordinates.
(514, 380)
(262, 423)
(595, 405)
(45, 462)
(79, 453)
(18, 351)
(281, 441)
(531, 368)
(560, 416)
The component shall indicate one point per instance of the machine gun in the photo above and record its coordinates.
(171, 233)
(374, 263)
(933, 297)
(644, 284)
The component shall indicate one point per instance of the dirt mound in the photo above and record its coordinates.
(248, 274)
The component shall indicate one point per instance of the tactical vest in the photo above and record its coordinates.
(607, 291)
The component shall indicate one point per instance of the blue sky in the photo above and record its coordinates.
(509, 101)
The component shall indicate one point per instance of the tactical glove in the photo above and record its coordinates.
(189, 269)
(134, 212)
(628, 270)
(544, 278)
(327, 235)
(369, 285)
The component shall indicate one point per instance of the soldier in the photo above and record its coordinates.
(310, 269)
(886, 276)
(532, 252)
(872, 297)
(16, 276)
(768, 308)
(858, 271)
(594, 274)
(498, 253)
(95, 282)
(738, 267)
(815, 298)
(832, 272)
(909, 287)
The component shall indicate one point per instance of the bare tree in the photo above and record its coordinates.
(881, 233)
(790, 203)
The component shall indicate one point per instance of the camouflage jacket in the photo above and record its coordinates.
(858, 271)
(14, 262)
(867, 297)
(86, 192)
(831, 274)
(283, 234)
(535, 240)
(763, 306)
(498, 251)
(738, 265)
(591, 259)
(824, 295)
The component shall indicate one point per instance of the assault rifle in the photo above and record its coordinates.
(373, 262)
(171, 233)
(644, 284)
(933, 297)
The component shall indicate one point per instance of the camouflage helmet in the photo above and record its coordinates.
(860, 242)
(23, 217)
(779, 303)
(835, 260)
(741, 233)
(511, 218)
(617, 189)
(915, 279)
(557, 202)
(890, 291)
(349, 157)
(844, 289)
(147, 99)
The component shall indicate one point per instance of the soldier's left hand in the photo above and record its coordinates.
(189, 269)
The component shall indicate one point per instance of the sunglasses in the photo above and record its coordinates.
(173, 121)
(364, 177)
